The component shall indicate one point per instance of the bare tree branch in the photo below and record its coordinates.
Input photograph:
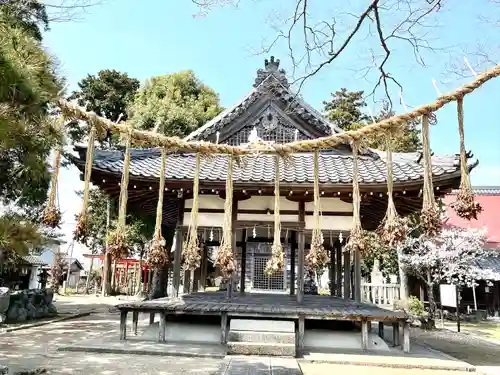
(384, 25)
(68, 10)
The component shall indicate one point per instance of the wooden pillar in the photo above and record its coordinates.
(176, 281)
(301, 240)
(381, 330)
(333, 269)
(347, 275)
(338, 250)
(293, 247)
(243, 261)
(395, 334)
(163, 327)
(357, 276)
(406, 337)
(234, 213)
(364, 335)
(123, 324)
(87, 284)
(203, 271)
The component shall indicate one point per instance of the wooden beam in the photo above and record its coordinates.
(333, 269)
(293, 247)
(176, 282)
(301, 240)
(357, 276)
(234, 213)
(338, 251)
(243, 246)
(347, 275)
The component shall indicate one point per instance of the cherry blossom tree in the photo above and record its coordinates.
(453, 257)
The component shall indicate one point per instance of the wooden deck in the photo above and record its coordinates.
(266, 306)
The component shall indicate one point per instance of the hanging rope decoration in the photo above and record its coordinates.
(158, 255)
(431, 217)
(465, 206)
(82, 225)
(394, 228)
(118, 245)
(356, 238)
(317, 256)
(192, 251)
(52, 214)
(225, 256)
(277, 261)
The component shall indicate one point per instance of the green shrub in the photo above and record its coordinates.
(415, 306)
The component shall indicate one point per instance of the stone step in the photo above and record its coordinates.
(262, 337)
(259, 348)
(262, 325)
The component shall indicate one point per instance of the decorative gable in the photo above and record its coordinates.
(276, 113)
(269, 126)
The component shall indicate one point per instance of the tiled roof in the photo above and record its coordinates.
(34, 260)
(483, 190)
(491, 264)
(335, 167)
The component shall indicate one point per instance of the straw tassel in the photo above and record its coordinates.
(192, 251)
(356, 239)
(118, 245)
(465, 206)
(225, 256)
(317, 256)
(430, 218)
(277, 261)
(52, 214)
(158, 255)
(82, 226)
(393, 228)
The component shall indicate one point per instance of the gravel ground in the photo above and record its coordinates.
(468, 348)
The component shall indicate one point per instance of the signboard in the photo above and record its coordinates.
(448, 295)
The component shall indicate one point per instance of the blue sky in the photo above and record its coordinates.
(153, 37)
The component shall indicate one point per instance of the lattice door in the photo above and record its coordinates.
(275, 282)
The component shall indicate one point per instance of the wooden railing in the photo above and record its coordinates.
(380, 294)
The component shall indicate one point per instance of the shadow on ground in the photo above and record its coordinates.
(470, 349)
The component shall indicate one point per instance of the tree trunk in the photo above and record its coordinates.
(431, 320)
(403, 278)
(160, 276)
(106, 283)
(140, 273)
